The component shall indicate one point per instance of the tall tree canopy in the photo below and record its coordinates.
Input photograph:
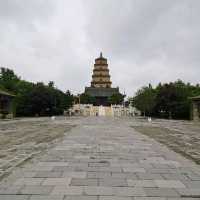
(145, 100)
(169, 100)
(116, 99)
(35, 99)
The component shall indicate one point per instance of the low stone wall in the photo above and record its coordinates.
(114, 110)
(8, 116)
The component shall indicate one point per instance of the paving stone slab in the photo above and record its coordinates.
(129, 191)
(114, 198)
(10, 189)
(47, 197)
(81, 198)
(141, 183)
(169, 184)
(161, 192)
(105, 159)
(75, 174)
(149, 176)
(183, 198)
(98, 190)
(189, 192)
(150, 198)
(28, 181)
(69, 190)
(192, 184)
(39, 190)
(56, 181)
(14, 197)
(113, 182)
(125, 176)
(99, 174)
(83, 182)
(48, 174)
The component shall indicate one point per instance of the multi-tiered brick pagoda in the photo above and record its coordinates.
(101, 85)
(101, 77)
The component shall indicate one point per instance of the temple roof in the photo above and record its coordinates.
(101, 92)
(195, 98)
(2, 92)
(101, 57)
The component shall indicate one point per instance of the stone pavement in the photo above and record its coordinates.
(105, 159)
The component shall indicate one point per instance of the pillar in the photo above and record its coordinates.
(195, 111)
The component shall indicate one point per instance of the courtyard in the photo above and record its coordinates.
(99, 158)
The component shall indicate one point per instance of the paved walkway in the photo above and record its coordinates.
(106, 159)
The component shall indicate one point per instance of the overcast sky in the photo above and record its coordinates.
(145, 41)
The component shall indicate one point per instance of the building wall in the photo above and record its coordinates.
(112, 111)
(196, 110)
(6, 107)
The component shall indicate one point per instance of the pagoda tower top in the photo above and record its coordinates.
(101, 77)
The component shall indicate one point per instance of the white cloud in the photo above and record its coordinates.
(145, 41)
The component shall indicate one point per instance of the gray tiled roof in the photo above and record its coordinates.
(101, 92)
(2, 92)
(195, 98)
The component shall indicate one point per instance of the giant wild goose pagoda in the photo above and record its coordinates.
(101, 91)
(100, 87)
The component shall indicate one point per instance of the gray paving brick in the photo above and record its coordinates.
(114, 182)
(134, 169)
(48, 174)
(128, 191)
(99, 164)
(84, 182)
(169, 184)
(151, 198)
(47, 197)
(40, 190)
(63, 169)
(141, 183)
(10, 189)
(192, 184)
(69, 190)
(14, 197)
(52, 164)
(161, 192)
(28, 181)
(125, 175)
(75, 174)
(183, 198)
(81, 198)
(148, 176)
(189, 192)
(98, 190)
(104, 169)
(114, 198)
(177, 176)
(98, 174)
(193, 176)
(56, 181)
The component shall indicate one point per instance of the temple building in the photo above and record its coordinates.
(195, 111)
(6, 104)
(101, 84)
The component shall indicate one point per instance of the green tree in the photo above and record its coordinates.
(172, 100)
(116, 99)
(35, 99)
(145, 100)
(8, 79)
(168, 100)
(86, 99)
